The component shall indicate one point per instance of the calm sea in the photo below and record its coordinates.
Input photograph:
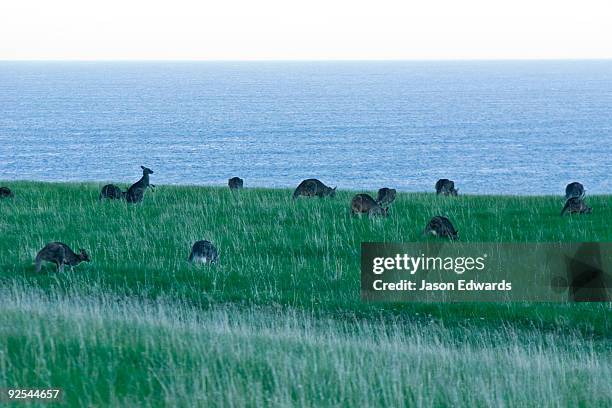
(493, 127)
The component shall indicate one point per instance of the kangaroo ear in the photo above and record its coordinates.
(335, 188)
(142, 167)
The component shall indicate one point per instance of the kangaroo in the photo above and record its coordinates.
(313, 187)
(60, 254)
(441, 227)
(446, 187)
(235, 183)
(385, 196)
(135, 193)
(574, 190)
(112, 192)
(364, 203)
(576, 205)
(203, 252)
(6, 192)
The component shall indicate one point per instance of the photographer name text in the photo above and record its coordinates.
(411, 265)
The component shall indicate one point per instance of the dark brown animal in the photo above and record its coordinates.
(446, 187)
(576, 205)
(365, 204)
(235, 183)
(441, 227)
(204, 252)
(6, 192)
(61, 255)
(574, 190)
(313, 187)
(111, 192)
(386, 196)
(135, 193)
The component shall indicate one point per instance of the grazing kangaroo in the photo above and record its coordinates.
(6, 192)
(441, 227)
(385, 196)
(235, 183)
(203, 252)
(576, 205)
(135, 193)
(112, 192)
(364, 203)
(574, 190)
(313, 187)
(446, 187)
(60, 254)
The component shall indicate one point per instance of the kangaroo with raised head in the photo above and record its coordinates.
(576, 205)
(446, 187)
(135, 193)
(365, 204)
(204, 252)
(441, 227)
(386, 196)
(235, 183)
(6, 192)
(313, 187)
(574, 190)
(111, 192)
(60, 254)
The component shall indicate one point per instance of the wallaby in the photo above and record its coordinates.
(6, 192)
(386, 196)
(112, 192)
(204, 252)
(313, 187)
(441, 227)
(364, 203)
(446, 187)
(60, 254)
(135, 193)
(235, 183)
(576, 205)
(574, 190)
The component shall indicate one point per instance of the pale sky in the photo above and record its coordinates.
(306, 29)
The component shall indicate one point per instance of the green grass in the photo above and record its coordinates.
(279, 321)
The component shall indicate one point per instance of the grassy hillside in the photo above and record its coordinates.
(280, 320)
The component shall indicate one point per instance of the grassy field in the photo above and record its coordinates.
(279, 320)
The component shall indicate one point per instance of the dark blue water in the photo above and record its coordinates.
(493, 127)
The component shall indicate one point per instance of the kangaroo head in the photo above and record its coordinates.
(332, 192)
(146, 170)
(84, 256)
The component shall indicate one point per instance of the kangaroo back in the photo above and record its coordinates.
(306, 188)
(574, 190)
(5, 192)
(112, 192)
(363, 203)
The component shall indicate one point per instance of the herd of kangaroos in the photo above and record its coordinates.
(205, 252)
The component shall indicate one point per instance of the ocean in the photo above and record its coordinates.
(507, 127)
